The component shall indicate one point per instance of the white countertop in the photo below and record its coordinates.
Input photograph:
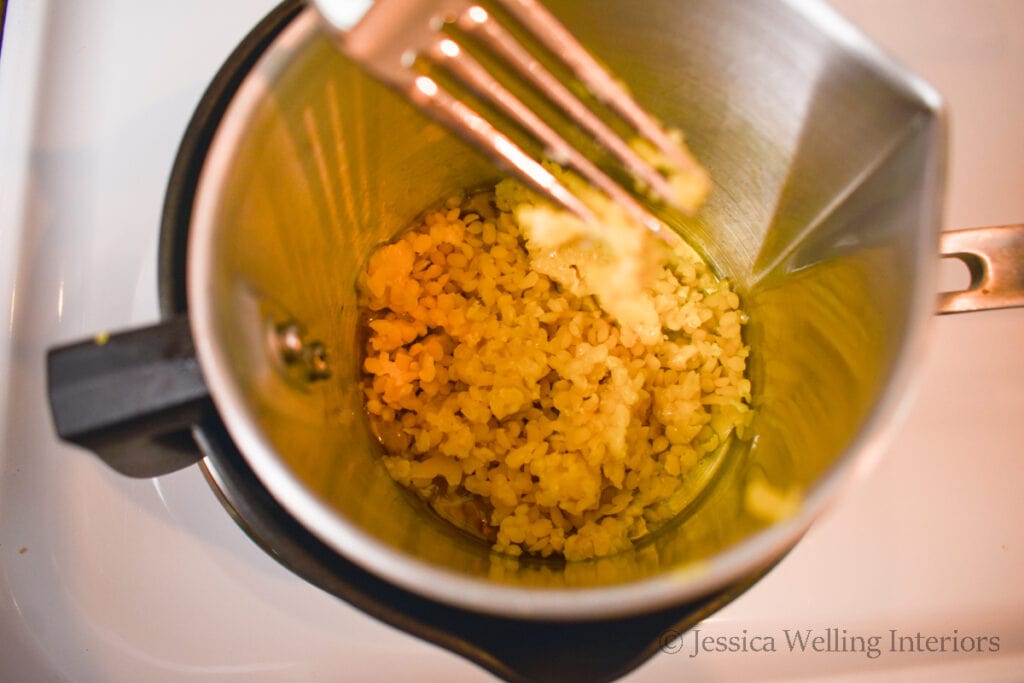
(108, 579)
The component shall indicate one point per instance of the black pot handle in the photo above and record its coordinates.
(131, 397)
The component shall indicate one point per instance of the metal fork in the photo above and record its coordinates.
(387, 37)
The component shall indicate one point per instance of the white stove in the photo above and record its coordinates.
(108, 579)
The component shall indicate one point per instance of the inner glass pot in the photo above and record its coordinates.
(826, 162)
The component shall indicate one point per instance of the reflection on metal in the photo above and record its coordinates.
(308, 357)
(389, 38)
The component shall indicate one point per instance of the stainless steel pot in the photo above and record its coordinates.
(828, 161)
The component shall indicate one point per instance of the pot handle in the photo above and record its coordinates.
(995, 258)
(131, 397)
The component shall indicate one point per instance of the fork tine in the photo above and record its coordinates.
(477, 22)
(553, 35)
(463, 66)
(438, 103)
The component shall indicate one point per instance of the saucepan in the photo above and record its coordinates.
(828, 163)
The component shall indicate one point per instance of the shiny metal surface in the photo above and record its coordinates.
(390, 38)
(828, 163)
(995, 258)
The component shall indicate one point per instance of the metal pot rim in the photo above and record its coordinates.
(670, 588)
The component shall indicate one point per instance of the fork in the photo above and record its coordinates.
(388, 37)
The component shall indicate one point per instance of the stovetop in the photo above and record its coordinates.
(103, 578)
